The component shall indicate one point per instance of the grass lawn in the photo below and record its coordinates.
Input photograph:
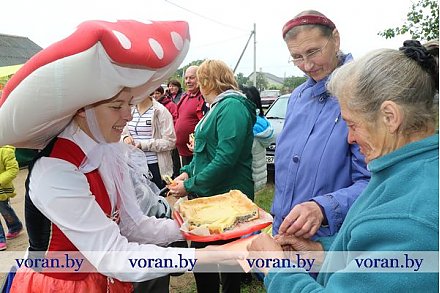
(186, 284)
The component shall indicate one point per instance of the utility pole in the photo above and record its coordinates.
(253, 33)
(255, 55)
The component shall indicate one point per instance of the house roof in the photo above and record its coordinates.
(16, 49)
(270, 77)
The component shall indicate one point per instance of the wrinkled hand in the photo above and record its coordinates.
(177, 189)
(264, 242)
(303, 220)
(308, 248)
(265, 247)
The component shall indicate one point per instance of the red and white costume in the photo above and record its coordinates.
(93, 64)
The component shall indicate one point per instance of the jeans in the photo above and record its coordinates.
(12, 221)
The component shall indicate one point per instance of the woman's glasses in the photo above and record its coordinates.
(307, 57)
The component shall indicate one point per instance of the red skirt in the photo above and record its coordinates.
(28, 281)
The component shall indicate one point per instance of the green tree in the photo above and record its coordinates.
(261, 82)
(421, 23)
(290, 83)
(241, 79)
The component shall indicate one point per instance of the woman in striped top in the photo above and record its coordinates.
(152, 130)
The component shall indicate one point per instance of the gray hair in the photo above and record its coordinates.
(387, 75)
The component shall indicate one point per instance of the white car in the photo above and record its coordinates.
(276, 115)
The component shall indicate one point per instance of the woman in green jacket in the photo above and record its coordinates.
(8, 171)
(222, 153)
(223, 138)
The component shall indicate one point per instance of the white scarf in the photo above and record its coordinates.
(111, 161)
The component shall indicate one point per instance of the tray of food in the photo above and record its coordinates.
(220, 217)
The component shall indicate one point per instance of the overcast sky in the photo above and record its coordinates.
(219, 29)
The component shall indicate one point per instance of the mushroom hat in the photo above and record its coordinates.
(91, 65)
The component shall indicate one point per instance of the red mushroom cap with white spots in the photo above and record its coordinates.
(93, 64)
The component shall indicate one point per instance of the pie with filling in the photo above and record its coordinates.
(219, 213)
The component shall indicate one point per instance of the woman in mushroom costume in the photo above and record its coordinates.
(72, 100)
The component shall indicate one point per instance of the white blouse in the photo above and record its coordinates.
(61, 192)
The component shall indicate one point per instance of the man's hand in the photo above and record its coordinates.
(303, 220)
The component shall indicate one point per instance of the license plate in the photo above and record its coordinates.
(269, 159)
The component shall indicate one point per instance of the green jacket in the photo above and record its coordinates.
(223, 148)
(8, 171)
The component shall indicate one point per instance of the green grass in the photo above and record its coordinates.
(264, 197)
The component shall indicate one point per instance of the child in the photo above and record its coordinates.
(8, 171)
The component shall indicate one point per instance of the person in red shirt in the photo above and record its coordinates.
(191, 108)
(167, 100)
(159, 95)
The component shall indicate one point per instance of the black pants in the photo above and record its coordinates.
(158, 285)
(210, 282)
(157, 179)
(186, 160)
(176, 163)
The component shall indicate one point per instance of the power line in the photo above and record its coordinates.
(203, 16)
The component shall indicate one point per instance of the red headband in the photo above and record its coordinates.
(307, 19)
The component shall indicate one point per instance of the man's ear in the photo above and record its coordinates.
(81, 113)
(392, 116)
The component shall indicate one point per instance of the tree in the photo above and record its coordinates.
(262, 83)
(290, 83)
(421, 23)
(241, 79)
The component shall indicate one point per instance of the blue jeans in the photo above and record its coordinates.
(12, 221)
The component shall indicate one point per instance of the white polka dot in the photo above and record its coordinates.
(125, 42)
(177, 40)
(157, 48)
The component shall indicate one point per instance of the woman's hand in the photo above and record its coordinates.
(303, 220)
(128, 139)
(182, 176)
(308, 249)
(177, 189)
(265, 247)
(214, 254)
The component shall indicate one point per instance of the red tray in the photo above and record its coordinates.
(262, 222)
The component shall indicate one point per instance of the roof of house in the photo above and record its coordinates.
(16, 49)
(270, 77)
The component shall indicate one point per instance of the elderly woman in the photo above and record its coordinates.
(222, 153)
(318, 174)
(387, 100)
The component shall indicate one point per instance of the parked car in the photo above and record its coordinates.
(276, 115)
(268, 97)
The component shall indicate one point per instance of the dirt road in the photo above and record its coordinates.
(21, 242)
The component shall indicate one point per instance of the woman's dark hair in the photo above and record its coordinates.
(176, 83)
(252, 94)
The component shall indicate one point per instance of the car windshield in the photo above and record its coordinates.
(278, 109)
